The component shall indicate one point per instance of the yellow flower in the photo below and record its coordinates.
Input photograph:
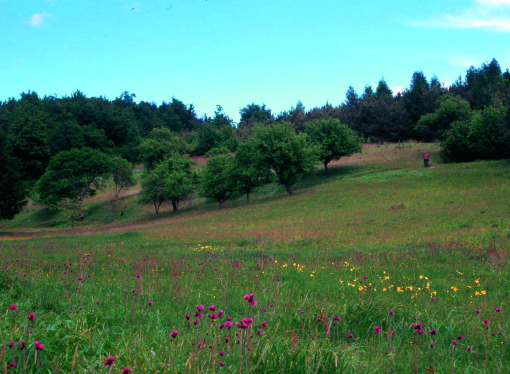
(384, 289)
(399, 289)
(477, 281)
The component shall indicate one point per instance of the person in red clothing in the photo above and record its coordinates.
(426, 159)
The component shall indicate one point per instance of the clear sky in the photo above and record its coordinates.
(234, 52)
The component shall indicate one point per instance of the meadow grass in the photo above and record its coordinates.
(325, 266)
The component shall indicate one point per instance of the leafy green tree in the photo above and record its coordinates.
(284, 152)
(451, 108)
(248, 171)
(121, 172)
(28, 138)
(486, 136)
(74, 174)
(160, 145)
(455, 143)
(12, 192)
(171, 180)
(217, 180)
(333, 139)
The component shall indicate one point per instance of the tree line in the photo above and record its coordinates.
(469, 118)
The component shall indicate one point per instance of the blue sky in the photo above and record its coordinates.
(232, 53)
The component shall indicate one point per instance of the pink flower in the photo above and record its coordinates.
(222, 353)
(392, 312)
(222, 363)
(98, 302)
(138, 275)
(498, 309)
(468, 349)
(212, 308)
(13, 307)
(39, 347)
(486, 321)
(31, 317)
(150, 303)
(454, 342)
(377, 329)
(200, 308)
(433, 299)
(109, 361)
(126, 371)
(174, 334)
(251, 299)
(477, 311)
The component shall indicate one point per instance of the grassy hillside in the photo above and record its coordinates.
(385, 266)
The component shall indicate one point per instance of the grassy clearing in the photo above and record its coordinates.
(382, 234)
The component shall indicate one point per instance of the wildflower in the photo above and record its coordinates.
(109, 361)
(222, 363)
(126, 371)
(486, 321)
(250, 298)
(264, 324)
(39, 346)
(212, 308)
(433, 332)
(477, 311)
(222, 353)
(174, 334)
(460, 337)
(318, 319)
(392, 312)
(200, 308)
(350, 336)
(392, 332)
(11, 344)
(31, 317)
(469, 349)
(13, 307)
(498, 309)
(365, 277)
(432, 299)
(432, 345)
(454, 342)
(377, 329)
(138, 275)
(23, 343)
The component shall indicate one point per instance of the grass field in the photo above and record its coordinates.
(384, 266)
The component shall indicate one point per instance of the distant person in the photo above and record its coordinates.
(426, 159)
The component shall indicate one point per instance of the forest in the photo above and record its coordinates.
(58, 150)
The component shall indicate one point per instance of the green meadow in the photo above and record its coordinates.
(384, 266)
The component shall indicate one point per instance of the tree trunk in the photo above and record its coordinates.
(248, 197)
(156, 207)
(175, 205)
(287, 187)
(326, 169)
(221, 201)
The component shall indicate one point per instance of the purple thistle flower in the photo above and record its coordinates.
(377, 329)
(454, 342)
(392, 312)
(498, 309)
